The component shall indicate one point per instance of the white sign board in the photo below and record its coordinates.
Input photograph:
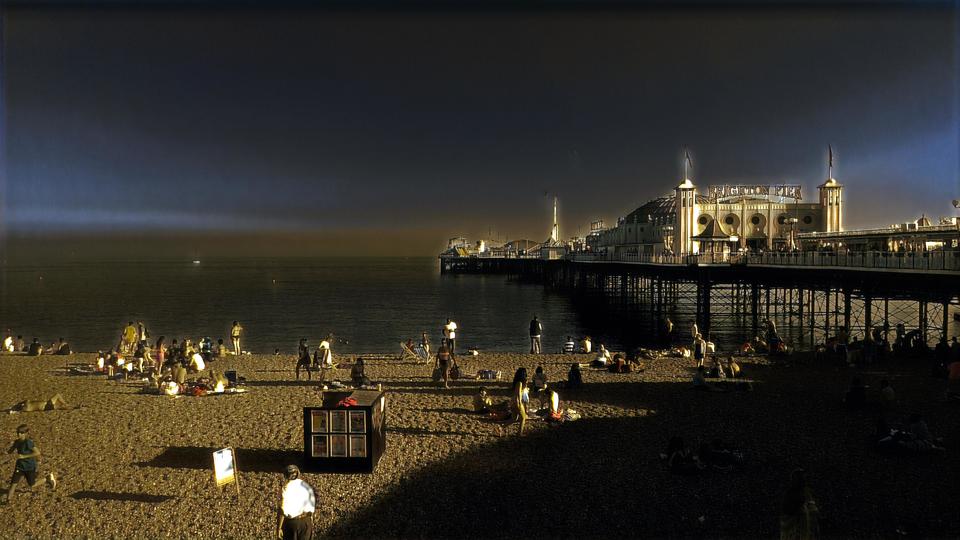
(224, 466)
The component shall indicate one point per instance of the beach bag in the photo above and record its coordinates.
(488, 375)
(455, 372)
(437, 374)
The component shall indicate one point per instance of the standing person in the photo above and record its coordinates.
(235, 332)
(142, 333)
(303, 359)
(161, 348)
(799, 512)
(129, 338)
(425, 344)
(444, 362)
(298, 501)
(536, 329)
(699, 349)
(26, 466)
(450, 333)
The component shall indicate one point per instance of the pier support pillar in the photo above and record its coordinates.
(867, 315)
(755, 307)
(846, 310)
(945, 330)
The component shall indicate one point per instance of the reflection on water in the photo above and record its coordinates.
(370, 304)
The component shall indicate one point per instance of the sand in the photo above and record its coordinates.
(138, 466)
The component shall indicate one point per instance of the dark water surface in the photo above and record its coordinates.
(370, 304)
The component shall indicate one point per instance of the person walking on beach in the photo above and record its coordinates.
(298, 502)
(536, 329)
(26, 467)
(303, 359)
(444, 362)
(129, 338)
(699, 349)
(450, 333)
(235, 332)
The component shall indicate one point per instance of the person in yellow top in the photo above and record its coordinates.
(129, 338)
(235, 332)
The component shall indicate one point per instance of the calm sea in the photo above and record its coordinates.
(369, 304)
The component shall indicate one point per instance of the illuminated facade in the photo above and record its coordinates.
(727, 218)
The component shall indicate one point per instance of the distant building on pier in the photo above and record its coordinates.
(727, 218)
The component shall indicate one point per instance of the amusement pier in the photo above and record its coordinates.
(740, 255)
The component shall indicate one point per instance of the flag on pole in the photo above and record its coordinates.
(687, 157)
(830, 150)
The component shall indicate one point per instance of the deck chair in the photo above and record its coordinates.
(416, 354)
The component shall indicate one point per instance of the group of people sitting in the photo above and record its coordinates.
(585, 346)
(716, 456)
(515, 408)
(34, 348)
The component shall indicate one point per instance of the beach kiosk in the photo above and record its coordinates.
(346, 433)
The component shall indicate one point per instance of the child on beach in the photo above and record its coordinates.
(28, 455)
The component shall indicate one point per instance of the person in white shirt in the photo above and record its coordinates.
(450, 332)
(196, 363)
(298, 501)
(8, 342)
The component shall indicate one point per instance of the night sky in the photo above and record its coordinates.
(228, 130)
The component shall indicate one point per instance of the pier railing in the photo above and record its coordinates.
(926, 261)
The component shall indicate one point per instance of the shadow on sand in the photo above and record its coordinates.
(127, 497)
(248, 459)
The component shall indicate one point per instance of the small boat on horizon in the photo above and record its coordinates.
(196, 262)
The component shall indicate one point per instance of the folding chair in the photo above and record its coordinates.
(411, 354)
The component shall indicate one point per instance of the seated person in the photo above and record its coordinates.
(101, 361)
(482, 403)
(196, 363)
(681, 459)
(55, 403)
(574, 376)
(717, 371)
(856, 396)
(539, 379)
(734, 369)
(586, 345)
(180, 375)
(700, 382)
(221, 349)
(550, 404)
(63, 348)
(357, 374)
(602, 359)
(19, 345)
(170, 388)
(206, 349)
(36, 349)
(618, 365)
(8, 343)
(569, 346)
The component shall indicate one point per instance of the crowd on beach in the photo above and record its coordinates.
(165, 369)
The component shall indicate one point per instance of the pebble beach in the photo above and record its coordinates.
(132, 465)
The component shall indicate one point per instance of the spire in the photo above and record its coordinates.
(555, 231)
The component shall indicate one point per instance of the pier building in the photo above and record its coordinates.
(727, 218)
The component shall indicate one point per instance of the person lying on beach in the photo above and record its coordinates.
(56, 403)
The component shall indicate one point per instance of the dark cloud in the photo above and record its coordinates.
(393, 123)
